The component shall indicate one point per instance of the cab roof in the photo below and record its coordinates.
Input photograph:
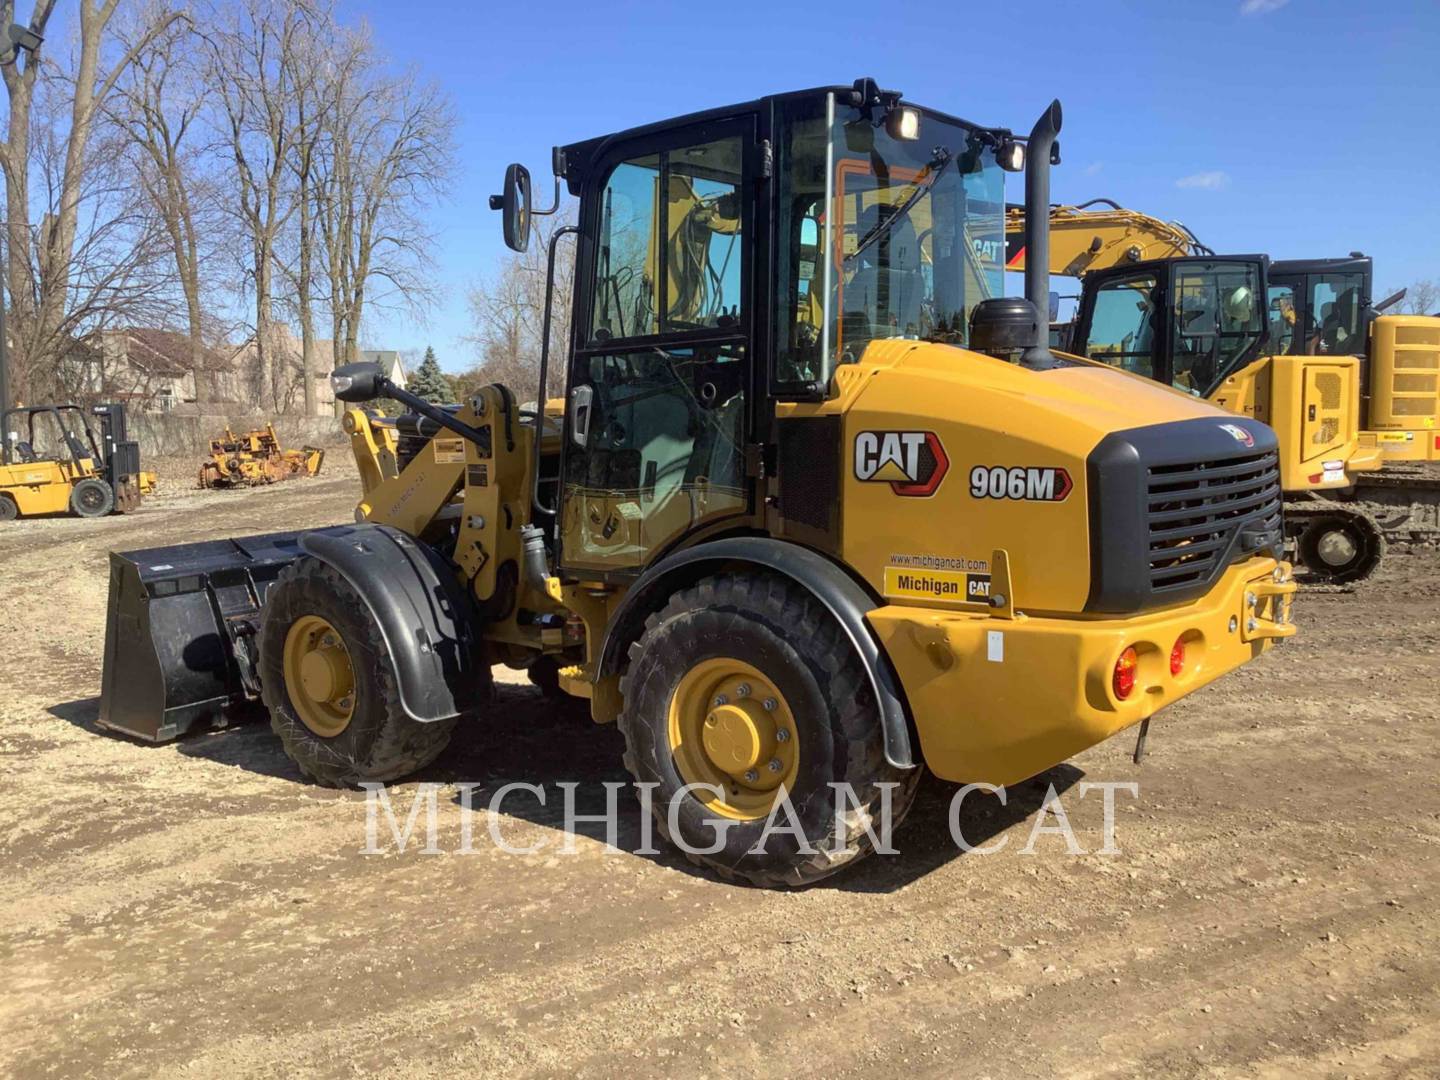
(573, 160)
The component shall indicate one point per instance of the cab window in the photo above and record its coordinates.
(670, 263)
(1122, 324)
(1283, 316)
(1335, 303)
(1216, 321)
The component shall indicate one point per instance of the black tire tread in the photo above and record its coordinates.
(401, 746)
(802, 622)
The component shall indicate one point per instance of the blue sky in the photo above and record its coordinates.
(1301, 128)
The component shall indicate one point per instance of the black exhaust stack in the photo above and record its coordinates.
(1038, 150)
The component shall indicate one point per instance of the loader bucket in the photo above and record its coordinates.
(181, 633)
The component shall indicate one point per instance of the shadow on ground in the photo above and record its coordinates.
(528, 738)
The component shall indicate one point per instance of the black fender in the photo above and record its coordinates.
(424, 614)
(845, 599)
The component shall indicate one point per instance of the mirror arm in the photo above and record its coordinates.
(385, 388)
(554, 203)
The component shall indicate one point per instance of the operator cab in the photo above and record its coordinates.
(736, 257)
(1185, 322)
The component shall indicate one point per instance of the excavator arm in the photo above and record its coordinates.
(1099, 234)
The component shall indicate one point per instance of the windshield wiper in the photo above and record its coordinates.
(938, 164)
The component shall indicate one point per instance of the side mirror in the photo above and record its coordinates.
(357, 382)
(514, 201)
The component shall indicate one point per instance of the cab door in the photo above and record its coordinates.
(659, 412)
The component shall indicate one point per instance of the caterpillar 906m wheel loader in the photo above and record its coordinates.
(819, 507)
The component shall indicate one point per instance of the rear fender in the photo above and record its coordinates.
(847, 602)
(424, 615)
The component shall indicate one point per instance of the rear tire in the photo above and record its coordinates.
(8, 510)
(376, 741)
(778, 637)
(91, 498)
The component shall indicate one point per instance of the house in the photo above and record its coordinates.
(152, 370)
(245, 382)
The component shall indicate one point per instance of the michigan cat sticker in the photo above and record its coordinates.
(912, 462)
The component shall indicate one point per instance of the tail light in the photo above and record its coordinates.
(1124, 678)
(1177, 657)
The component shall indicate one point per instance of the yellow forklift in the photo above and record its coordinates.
(819, 507)
(51, 462)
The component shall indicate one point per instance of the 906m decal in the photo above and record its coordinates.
(911, 462)
(1020, 482)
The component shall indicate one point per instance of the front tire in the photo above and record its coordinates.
(746, 682)
(328, 680)
(91, 498)
(9, 511)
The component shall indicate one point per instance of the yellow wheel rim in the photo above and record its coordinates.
(319, 676)
(730, 727)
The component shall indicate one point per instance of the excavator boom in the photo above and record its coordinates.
(1099, 234)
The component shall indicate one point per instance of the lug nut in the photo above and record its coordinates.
(769, 703)
(743, 690)
(328, 641)
(751, 776)
(1250, 599)
(1251, 625)
(775, 765)
(721, 699)
(782, 735)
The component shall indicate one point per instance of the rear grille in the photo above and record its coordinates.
(1195, 509)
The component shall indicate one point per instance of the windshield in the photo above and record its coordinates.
(887, 238)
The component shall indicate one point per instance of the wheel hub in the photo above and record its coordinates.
(1336, 548)
(319, 676)
(739, 737)
(732, 729)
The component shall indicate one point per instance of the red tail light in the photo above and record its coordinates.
(1177, 657)
(1124, 679)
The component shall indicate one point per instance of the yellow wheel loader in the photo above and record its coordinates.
(1352, 392)
(51, 462)
(819, 506)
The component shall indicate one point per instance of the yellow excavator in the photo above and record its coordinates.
(1352, 391)
(816, 508)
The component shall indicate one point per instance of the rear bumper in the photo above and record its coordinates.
(998, 700)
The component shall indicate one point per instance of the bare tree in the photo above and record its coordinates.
(158, 105)
(388, 155)
(253, 46)
(1421, 298)
(42, 273)
(507, 313)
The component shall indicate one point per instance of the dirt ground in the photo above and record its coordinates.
(197, 909)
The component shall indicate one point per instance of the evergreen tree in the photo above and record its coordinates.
(430, 382)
